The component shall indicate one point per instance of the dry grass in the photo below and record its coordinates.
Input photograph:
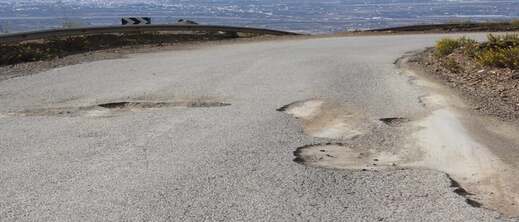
(501, 58)
(515, 23)
(447, 46)
(501, 51)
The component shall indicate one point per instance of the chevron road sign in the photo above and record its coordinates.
(136, 21)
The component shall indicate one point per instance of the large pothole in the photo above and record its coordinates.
(106, 109)
(357, 157)
(150, 105)
(388, 146)
(344, 156)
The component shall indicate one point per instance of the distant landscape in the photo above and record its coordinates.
(307, 16)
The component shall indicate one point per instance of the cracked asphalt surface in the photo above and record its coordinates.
(228, 163)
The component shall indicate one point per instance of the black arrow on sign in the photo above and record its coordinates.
(135, 21)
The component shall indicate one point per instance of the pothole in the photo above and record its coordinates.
(150, 105)
(106, 109)
(116, 105)
(343, 156)
(375, 148)
(369, 152)
(355, 157)
(202, 104)
(394, 121)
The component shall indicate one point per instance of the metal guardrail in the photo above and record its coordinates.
(35, 35)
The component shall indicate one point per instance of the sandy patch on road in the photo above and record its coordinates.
(364, 142)
(451, 146)
(447, 146)
(437, 139)
(324, 119)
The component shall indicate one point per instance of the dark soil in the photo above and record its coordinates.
(15, 53)
(456, 27)
(113, 52)
(492, 91)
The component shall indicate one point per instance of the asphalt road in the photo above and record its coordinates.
(62, 158)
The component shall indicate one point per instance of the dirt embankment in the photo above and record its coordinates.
(47, 49)
(490, 90)
(457, 27)
(439, 28)
(25, 58)
(477, 151)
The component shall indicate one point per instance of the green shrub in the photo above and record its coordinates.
(447, 46)
(500, 51)
(502, 41)
(515, 23)
(501, 58)
(470, 47)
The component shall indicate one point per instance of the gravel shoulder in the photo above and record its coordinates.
(476, 149)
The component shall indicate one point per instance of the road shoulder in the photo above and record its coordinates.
(476, 149)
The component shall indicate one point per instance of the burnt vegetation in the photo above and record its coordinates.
(21, 52)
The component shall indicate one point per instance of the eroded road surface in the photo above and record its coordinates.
(325, 129)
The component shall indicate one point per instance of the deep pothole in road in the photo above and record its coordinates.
(106, 109)
(394, 121)
(330, 120)
(150, 105)
(359, 143)
(354, 157)
(343, 156)
(122, 105)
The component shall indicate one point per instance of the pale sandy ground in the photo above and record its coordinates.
(445, 138)
(463, 144)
